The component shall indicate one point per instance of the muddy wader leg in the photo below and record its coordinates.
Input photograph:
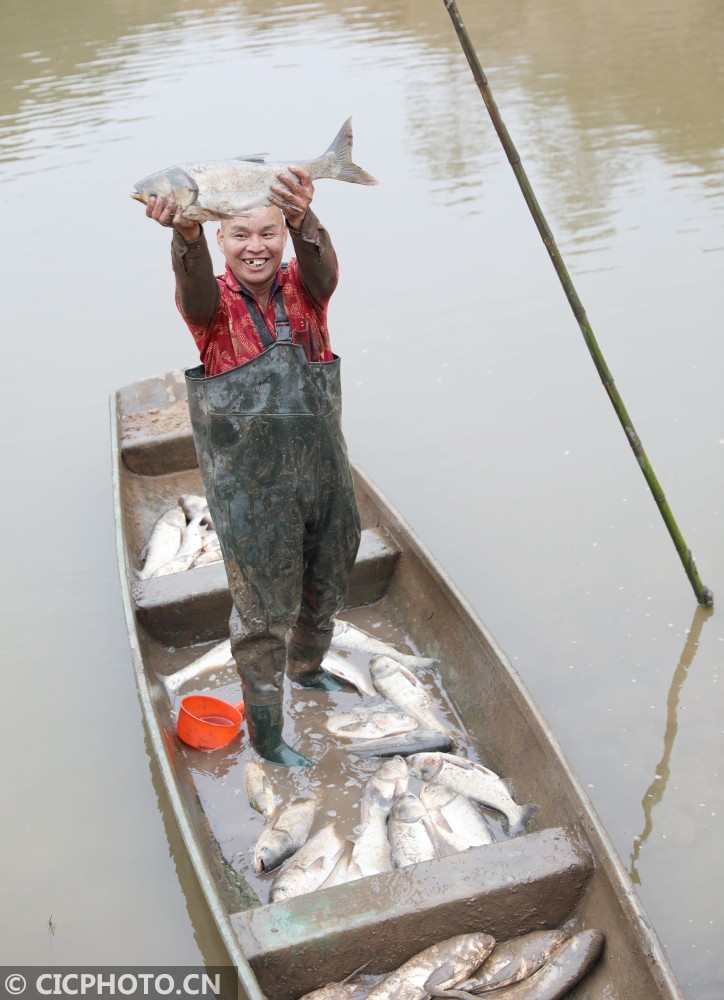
(261, 662)
(330, 547)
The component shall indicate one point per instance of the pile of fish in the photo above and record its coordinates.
(397, 827)
(182, 538)
(542, 965)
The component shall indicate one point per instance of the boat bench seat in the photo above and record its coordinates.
(510, 887)
(194, 606)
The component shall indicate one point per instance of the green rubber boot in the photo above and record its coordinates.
(265, 723)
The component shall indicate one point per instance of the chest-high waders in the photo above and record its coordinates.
(279, 488)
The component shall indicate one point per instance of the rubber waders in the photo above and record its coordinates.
(274, 463)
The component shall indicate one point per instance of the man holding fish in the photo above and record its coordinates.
(265, 410)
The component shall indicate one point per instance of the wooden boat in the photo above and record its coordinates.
(562, 871)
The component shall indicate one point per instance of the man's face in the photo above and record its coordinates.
(253, 245)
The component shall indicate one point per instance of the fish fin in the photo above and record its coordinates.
(528, 813)
(341, 148)
(444, 973)
(253, 157)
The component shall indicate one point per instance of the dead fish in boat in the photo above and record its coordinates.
(339, 874)
(372, 853)
(284, 835)
(338, 991)
(259, 790)
(215, 659)
(475, 781)
(557, 977)
(368, 725)
(456, 823)
(407, 829)
(441, 966)
(388, 783)
(310, 866)
(192, 543)
(396, 683)
(348, 636)
(192, 505)
(164, 541)
(211, 550)
(223, 189)
(417, 741)
(513, 960)
(346, 670)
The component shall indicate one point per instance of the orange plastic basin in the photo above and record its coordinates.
(208, 723)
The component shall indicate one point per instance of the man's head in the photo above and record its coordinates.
(253, 245)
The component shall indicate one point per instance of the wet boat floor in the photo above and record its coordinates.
(337, 777)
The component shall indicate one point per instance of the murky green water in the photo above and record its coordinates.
(469, 397)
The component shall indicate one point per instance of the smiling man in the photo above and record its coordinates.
(266, 409)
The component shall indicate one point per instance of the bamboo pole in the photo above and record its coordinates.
(703, 595)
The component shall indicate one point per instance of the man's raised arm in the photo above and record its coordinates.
(197, 291)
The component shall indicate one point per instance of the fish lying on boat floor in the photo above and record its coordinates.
(285, 835)
(368, 725)
(456, 823)
(475, 781)
(372, 853)
(163, 542)
(400, 686)
(554, 979)
(259, 790)
(405, 744)
(348, 636)
(223, 189)
(340, 666)
(442, 965)
(513, 960)
(310, 866)
(408, 830)
(216, 658)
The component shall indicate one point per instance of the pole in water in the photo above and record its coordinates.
(703, 595)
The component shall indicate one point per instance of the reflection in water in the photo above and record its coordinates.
(655, 792)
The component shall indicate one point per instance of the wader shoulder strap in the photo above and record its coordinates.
(281, 320)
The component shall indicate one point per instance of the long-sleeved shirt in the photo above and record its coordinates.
(215, 311)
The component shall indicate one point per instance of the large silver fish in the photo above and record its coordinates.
(456, 823)
(441, 966)
(416, 741)
(370, 725)
(164, 541)
(396, 683)
(191, 545)
(214, 659)
(371, 853)
(513, 960)
(259, 790)
(388, 783)
(348, 636)
(408, 832)
(310, 867)
(284, 835)
(475, 781)
(346, 670)
(223, 189)
(553, 980)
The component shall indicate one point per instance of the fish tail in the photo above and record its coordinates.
(341, 151)
(526, 816)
